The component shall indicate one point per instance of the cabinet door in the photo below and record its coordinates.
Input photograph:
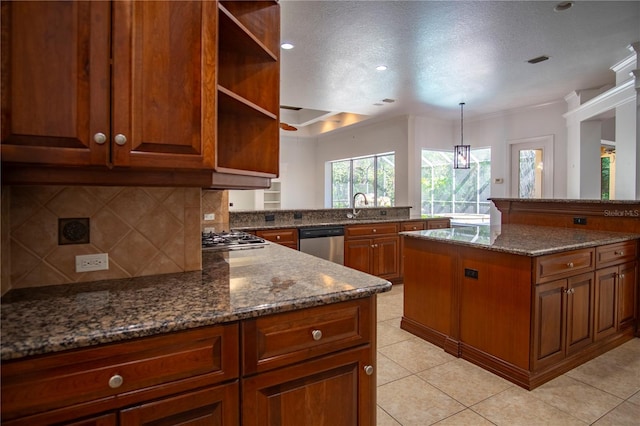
(605, 300)
(386, 255)
(55, 81)
(333, 390)
(580, 306)
(212, 406)
(164, 84)
(549, 323)
(358, 255)
(627, 284)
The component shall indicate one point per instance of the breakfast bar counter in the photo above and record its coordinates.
(525, 302)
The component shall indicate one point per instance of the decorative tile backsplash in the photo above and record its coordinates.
(144, 230)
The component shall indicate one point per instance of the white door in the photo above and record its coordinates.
(532, 167)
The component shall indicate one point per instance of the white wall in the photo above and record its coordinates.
(359, 140)
(298, 171)
(303, 160)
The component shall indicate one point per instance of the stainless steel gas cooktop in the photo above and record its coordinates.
(232, 240)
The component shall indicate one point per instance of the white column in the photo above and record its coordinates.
(589, 157)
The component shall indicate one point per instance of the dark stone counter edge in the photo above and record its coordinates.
(523, 252)
(212, 318)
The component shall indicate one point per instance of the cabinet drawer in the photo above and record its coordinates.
(412, 226)
(280, 236)
(276, 340)
(562, 265)
(355, 231)
(614, 254)
(438, 224)
(57, 380)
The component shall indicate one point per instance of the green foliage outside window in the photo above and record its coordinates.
(446, 190)
(374, 176)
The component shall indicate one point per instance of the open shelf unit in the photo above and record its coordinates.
(248, 87)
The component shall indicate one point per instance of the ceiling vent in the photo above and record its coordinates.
(538, 59)
(388, 101)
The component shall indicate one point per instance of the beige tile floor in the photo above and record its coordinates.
(420, 384)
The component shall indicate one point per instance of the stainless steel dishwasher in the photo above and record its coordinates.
(326, 242)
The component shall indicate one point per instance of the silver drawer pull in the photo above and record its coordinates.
(116, 381)
(120, 139)
(99, 138)
(316, 334)
(570, 264)
(368, 369)
(618, 253)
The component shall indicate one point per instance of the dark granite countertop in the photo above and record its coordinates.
(565, 201)
(523, 239)
(231, 286)
(292, 223)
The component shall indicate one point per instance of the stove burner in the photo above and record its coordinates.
(233, 240)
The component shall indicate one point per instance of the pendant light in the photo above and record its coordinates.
(461, 153)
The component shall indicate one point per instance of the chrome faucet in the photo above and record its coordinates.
(355, 213)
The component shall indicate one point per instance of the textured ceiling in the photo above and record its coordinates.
(441, 53)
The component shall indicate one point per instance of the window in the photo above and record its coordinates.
(374, 176)
(458, 193)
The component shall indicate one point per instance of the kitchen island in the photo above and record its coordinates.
(226, 343)
(525, 302)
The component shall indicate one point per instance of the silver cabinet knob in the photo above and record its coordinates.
(120, 139)
(570, 264)
(374, 231)
(99, 138)
(368, 369)
(277, 237)
(316, 334)
(115, 381)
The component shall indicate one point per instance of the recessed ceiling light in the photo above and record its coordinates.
(538, 59)
(287, 46)
(565, 5)
(381, 68)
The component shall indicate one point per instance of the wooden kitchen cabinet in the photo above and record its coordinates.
(616, 279)
(374, 249)
(438, 223)
(311, 367)
(286, 237)
(563, 318)
(615, 298)
(133, 85)
(525, 318)
(417, 225)
(179, 374)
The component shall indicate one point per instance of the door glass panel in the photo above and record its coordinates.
(530, 173)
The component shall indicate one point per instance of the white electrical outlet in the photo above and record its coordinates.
(209, 216)
(92, 262)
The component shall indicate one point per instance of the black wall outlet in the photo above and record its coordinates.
(383, 212)
(471, 273)
(297, 215)
(579, 220)
(269, 217)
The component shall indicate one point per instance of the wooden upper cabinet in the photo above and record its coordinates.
(164, 91)
(142, 85)
(55, 81)
(248, 88)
